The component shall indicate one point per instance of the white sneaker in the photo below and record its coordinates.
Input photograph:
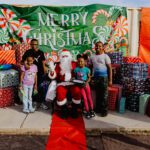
(44, 106)
(26, 111)
(32, 110)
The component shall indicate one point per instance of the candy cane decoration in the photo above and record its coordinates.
(99, 12)
(88, 51)
(28, 40)
(6, 47)
(126, 41)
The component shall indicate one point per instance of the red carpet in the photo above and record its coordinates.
(66, 134)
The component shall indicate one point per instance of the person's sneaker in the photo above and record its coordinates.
(32, 110)
(87, 115)
(44, 106)
(26, 111)
(84, 112)
(104, 114)
(92, 113)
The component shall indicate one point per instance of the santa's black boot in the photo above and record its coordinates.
(74, 110)
(64, 112)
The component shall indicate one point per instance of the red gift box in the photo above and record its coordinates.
(20, 50)
(149, 70)
(7, 96)
(131, 59)
(7, 57)
(112, 97)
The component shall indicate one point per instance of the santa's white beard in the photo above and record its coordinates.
(65, 65)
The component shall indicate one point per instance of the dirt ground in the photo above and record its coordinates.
(105, 141)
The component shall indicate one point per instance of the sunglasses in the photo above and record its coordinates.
(33, 44)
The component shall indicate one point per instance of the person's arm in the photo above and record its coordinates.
(21, 79)
(44, 67)
(109, 74)
(35, 82)
(89, 78)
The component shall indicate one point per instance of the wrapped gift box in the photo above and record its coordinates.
(149, 69)
(132, 102)
(7, 57)
(148, 107)
(147, 86)
(116, 73)
(9, 78)
(7, 96)
(133, 85)
(20, 50)
(116, 57)
(121, 105)
(112, 97)
(130, 59)
(142, 104)
(134, 70)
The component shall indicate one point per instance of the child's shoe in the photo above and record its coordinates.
(92, 113)
(32, 110)
(87, 115)
(26, 111)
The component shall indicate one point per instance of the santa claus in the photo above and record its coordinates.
(63, 74)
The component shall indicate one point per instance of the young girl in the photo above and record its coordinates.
(28, 82)
(83, 73)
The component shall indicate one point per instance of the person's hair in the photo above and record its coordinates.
(30, 55)
(79, 56)
(85, 56)
(105, 44)
(34, 40)
(99, 42)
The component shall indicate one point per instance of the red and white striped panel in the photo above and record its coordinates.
(7, 57)
(131, 59)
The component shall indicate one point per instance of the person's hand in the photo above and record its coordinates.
(35, 91)
(92, 82)
(110, 83)
(20, 87)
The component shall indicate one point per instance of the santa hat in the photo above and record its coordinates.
(65, 52)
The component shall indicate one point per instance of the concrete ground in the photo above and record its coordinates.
(19, 131)
(13, 120)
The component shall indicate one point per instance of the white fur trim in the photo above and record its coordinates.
(65, 83)
(76, 101)
(63, 102)
(52, 76)
(65, 53)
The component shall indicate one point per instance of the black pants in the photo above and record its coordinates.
(43, 83)
(101, 88)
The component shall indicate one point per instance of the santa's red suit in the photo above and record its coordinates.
(63, 74)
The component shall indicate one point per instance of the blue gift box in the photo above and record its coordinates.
(116, 57)
(134, 70)
(121, 105)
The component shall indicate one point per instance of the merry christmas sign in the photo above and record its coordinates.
(76, 28)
